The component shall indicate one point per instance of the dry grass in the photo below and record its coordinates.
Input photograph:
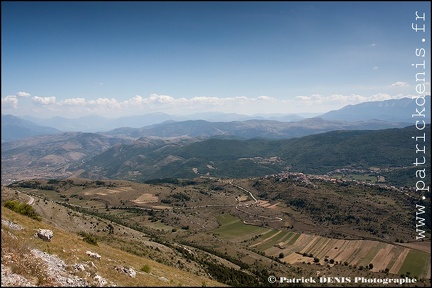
(71, 249)
(17, 256)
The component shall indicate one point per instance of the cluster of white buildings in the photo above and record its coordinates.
(308, 179)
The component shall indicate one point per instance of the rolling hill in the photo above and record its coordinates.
(247, 129)
(131, 153)
(63, 262)
(320, 153)
(236, 231)
(50, 155)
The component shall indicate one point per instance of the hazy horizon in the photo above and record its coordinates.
(116, 59)
(204, 113)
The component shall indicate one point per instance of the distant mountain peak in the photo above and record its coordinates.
(392, 110)
(15, 128)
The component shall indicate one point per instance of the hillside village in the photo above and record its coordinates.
(306, 179)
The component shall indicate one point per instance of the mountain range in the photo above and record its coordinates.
(313, 154)
(15, 128)
(393, 110)
(368, 115)
(179, 196)
(193, 148)
(97, 156)
(248, 129)
(102, 124)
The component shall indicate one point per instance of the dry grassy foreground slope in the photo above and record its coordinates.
(30, 261)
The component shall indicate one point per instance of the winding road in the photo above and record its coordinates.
(31, 200)
(271, 219)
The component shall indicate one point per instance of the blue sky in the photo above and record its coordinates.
(126, 58)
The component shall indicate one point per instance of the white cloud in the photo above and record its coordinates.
(375, 68)
(169, 104)
(74, 102)
(164, 99)
(137, 100)
(111, 107)
(384, 96)
(318, 99)
(23, 94)
(10, 101)
(400, 84)
(105, 102)
(265, 98)
(202, 100)
(345, 99)
(44, 100)
(380, 97)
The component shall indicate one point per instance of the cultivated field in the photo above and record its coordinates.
(356, 253)
(274, 226)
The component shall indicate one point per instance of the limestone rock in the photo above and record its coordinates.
(93, 255)
(45, 234)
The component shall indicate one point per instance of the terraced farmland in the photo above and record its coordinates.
(299, 248)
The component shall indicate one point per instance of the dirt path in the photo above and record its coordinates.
(31, 200)
(422, 246)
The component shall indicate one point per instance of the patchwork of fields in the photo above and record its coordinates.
(298, 248)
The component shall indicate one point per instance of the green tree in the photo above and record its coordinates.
(146, 268)
(110, 229)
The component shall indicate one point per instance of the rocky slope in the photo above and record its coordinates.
(68, 261)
